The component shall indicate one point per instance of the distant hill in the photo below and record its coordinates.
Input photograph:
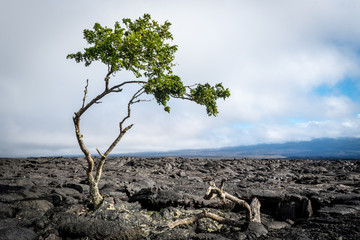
(324, 148)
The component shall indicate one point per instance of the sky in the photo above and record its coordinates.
(293, 69)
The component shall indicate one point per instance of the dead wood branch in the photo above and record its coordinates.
(214, 191)
(255, 209)
(252, 210)
(205, 214)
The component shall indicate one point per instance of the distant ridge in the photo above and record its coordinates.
(322, 148)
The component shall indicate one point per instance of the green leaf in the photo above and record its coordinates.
(167, 109)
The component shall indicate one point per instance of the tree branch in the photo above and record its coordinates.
(135, 96)
(186, 96)
(85, 92)
(107, 78)
(119, 137)
(103, 94)
(117, 140)
(117, 90)
(101, 155)
(205, 214)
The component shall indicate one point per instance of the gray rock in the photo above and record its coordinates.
(287, 210)
(77, 187)
(276, 224)
(17, 233)
(77, 227)
(6, 211)
(340, 210)
(206, 225)
(256, 230)
(155, 198)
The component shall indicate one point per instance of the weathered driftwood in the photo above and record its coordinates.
(255, 209)
(214, 191)
(205, 214)
(252, 210)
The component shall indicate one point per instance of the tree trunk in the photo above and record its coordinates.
(95, 197)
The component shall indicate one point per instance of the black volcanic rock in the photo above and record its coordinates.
(46, 198)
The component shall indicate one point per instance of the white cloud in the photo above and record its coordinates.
(270, 54)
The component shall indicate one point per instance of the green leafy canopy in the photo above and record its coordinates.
(143, 47)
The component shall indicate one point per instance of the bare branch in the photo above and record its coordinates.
(107, 78)
(211, 193)
(136, 95)
(85, 92)
(106, 154)
(119, 137)
(214, 191)
(117, 90)
(117, 140)
(100, 153)
(205, 214)
(142, 100)
(103, 94)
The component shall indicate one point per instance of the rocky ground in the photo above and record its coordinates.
(45, 198)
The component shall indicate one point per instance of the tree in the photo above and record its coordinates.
(142, 47)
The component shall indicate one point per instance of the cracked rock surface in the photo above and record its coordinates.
(46, 198)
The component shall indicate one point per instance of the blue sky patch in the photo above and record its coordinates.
(296, 120)
(349, 87)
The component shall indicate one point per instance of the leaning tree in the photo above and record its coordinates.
(143, 47)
